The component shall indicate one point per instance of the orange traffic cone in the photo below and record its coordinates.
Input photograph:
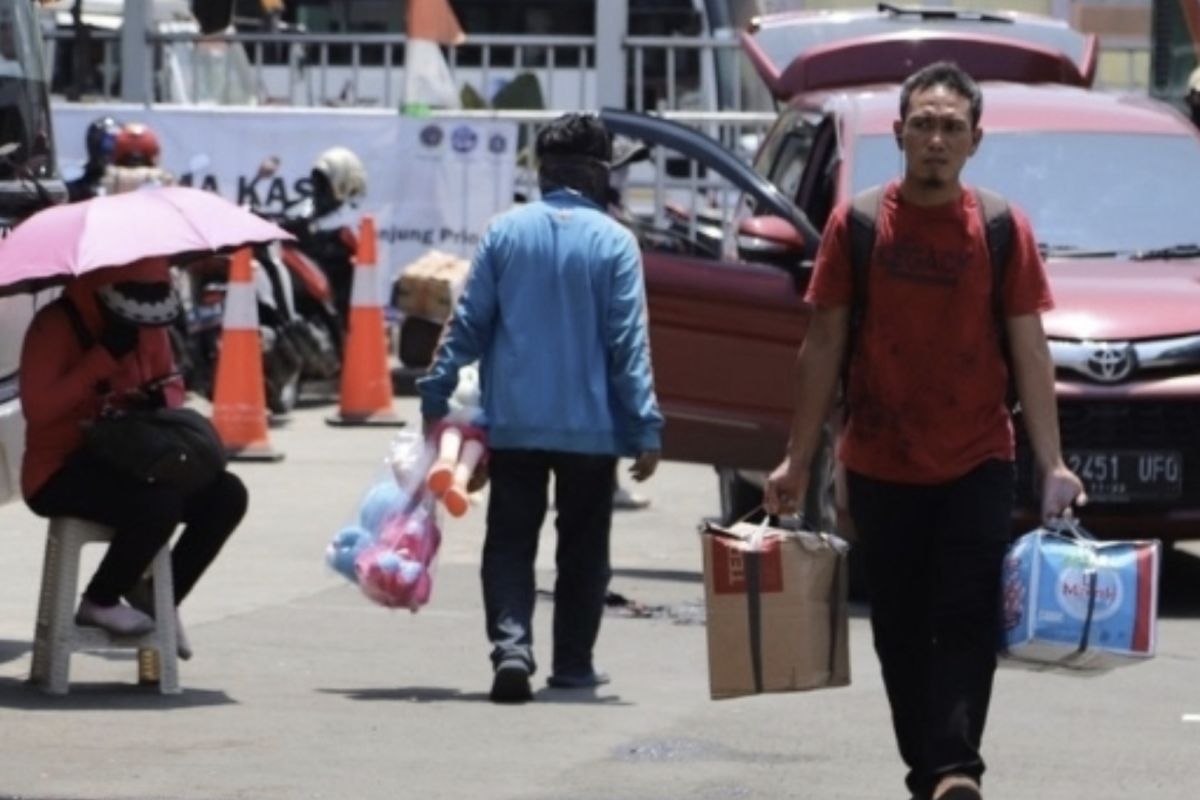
(239, 402)
(366, 389)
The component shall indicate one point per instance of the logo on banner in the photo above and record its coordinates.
(464, 139)
(497, 144)
(431, 135)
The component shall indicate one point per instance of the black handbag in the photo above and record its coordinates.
(176, 447)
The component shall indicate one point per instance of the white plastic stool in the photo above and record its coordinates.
(57, 636)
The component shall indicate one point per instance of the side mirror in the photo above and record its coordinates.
(770, 239)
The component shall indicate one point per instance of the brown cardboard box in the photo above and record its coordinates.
(777, 615)
(429, 287)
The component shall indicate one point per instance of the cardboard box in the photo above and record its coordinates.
(776, 610)
(1075, 603)
(429, 287)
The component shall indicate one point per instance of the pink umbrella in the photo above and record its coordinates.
(65, 241)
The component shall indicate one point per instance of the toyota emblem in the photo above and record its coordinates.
(1109, 362)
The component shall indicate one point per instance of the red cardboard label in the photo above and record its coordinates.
(729, 566)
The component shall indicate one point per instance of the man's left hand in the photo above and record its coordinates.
(1061, 489)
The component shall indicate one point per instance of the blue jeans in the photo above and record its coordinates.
(583, 492)
(934, 556)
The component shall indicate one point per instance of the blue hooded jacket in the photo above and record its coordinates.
(554, 309)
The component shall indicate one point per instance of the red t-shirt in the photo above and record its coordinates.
(928, 381)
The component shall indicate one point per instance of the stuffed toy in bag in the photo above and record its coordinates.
(395, 572)
(459, 444)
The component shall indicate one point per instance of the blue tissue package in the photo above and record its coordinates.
(1079, 604)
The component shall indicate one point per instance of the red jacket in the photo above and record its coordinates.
(59, 381)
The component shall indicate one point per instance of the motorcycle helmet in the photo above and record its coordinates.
(342, 174)
(136, 146)
(101, 140)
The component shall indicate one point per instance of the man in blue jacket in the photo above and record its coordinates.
(554, 309)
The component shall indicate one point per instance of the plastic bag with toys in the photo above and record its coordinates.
(390, 548)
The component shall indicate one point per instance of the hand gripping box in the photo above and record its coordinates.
(776, 610)
(1075, 603)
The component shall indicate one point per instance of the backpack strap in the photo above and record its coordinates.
(85, 337)
(997, 221)
(864, 211)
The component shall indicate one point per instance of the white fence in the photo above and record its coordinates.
(307, 69)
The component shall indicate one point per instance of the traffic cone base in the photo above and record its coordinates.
(381, 419)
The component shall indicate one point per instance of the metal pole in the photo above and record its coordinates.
(137, 61)
(612, 25)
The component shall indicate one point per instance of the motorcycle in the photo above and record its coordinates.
(301, 331)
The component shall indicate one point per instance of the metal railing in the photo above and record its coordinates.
(331, 69)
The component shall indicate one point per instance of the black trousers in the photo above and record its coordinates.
(143, 518)
(583, 497)
(934, 556)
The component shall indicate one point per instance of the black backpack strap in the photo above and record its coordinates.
(85, 337)
(997, 221)
(864, 211)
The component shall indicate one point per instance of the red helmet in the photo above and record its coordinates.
(136, 146)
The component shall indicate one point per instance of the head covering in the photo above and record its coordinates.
(139, 293)
(1193, 83)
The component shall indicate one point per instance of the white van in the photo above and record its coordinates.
(204, 72)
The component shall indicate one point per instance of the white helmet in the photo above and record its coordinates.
(345, 172)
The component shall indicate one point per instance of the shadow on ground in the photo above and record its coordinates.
(11, 650)
(441, 694)
(20, 694)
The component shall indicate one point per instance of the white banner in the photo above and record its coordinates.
(431, 183)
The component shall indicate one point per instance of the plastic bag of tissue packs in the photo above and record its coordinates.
(1072, 602)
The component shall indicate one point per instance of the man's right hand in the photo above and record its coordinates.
(785, 488)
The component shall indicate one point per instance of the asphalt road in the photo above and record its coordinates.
(300, 688)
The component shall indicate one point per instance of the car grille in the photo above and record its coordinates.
(1155, 425)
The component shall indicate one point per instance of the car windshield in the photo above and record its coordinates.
(1082, 191)
(24, 115)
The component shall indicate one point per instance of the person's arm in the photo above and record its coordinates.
(629, 359)
(1034, 370)
(467, 333)
(1027, 296)
(817, 368)
(52, 384)
(818, 365)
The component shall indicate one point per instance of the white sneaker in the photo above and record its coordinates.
(119, 619)
(625, 500)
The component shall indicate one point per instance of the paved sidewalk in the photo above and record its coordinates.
(301, 688)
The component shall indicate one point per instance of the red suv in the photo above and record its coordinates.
(1108, 182)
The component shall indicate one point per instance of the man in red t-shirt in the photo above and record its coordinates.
(928, 442)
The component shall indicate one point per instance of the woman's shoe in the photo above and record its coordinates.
(118, 619)
(141, 597)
